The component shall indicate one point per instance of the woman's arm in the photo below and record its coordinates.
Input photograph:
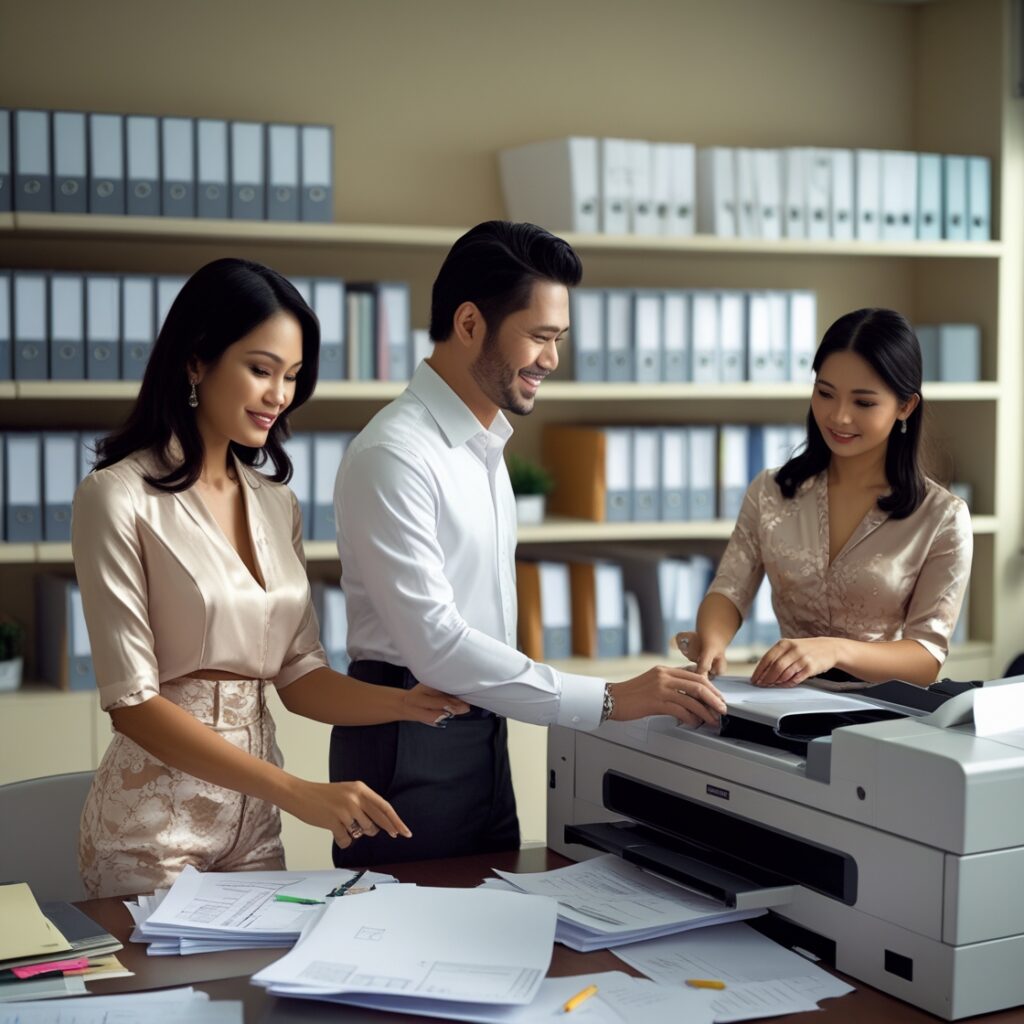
(328, 696)
(790, 662)
(718, 619)
(179, 740)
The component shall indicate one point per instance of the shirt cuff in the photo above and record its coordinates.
(935, 650)
(300, 667)
(582, 701)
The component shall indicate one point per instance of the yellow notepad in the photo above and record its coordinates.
(26, 932)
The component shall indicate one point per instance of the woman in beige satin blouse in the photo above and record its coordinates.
(868, 559)
(193, 581)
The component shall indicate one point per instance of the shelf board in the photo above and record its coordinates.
(555, 530)
(171, 229)
(553, 391)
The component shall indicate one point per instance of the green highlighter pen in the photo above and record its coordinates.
(283, 898)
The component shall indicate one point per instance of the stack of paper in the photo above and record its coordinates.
(169, 1006)
(762, 978)
(416, 950)
(46, 950)
(606, 902)
(204, 913)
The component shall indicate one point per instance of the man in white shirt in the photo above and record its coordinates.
(427, 534)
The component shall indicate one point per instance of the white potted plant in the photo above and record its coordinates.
(531, 484)
(11, 639)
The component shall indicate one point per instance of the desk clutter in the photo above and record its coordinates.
(77, 326)
(49, 949)
(165, 1006)
(115, 164)
(631, 186)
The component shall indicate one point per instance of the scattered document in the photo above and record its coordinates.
(207, 912)
(739, 691)
(414, 946)
(606, 902)
(620, 998)
(26, 931)
(763, 979)
(168, 1006)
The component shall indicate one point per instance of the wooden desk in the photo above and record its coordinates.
(226, 975)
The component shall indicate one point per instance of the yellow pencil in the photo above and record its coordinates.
(580, 997)
(705, 983)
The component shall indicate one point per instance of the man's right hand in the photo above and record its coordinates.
(668, 691)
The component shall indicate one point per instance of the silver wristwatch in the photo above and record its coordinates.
(608, 704)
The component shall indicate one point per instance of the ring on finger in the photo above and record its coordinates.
(355, 830)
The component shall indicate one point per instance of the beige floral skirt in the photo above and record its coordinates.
(143, 821)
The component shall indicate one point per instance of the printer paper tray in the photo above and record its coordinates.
(646, 849)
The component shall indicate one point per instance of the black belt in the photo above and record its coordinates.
(383, 673)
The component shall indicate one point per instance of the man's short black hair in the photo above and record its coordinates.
(495, 265)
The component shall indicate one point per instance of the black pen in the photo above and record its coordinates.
(345, 886)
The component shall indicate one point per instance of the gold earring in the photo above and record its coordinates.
(193, 398)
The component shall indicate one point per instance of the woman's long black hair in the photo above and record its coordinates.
(219, 304)
(888, 344)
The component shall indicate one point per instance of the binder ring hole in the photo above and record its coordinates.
(247, 194)
(177, 191)
(101, 353)
(143, 189)
(68, 188)
(283, 194)
(317, 194)
(861, 793)
(30, 351)
(32, 187)
(213, 192)
(105, 189)
(67, 351)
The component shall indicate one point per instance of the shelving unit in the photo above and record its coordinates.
(940, 82)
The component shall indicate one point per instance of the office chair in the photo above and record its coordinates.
(40, 823)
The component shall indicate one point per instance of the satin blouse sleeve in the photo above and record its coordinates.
(115, 598)
(742, 566)
(942, 583)
(305, 652)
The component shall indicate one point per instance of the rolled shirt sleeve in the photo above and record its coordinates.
(112, 578)
(386, 502)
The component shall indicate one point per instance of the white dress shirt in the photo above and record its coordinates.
(427, 535)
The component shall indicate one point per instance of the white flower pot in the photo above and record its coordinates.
(10, 674)
(529, 509)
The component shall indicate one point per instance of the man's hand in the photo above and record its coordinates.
(668, 691)
(429, 706)
(790, 662)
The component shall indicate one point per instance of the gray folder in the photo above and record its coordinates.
(955, 198)
(247, 178)
(106, 164)
(676, 335)
(929, 196)
(299, 448)
(328, 302)
(283, 172)
(618, 334)
(142, 165)
(928, 339)
(675, 474)
(23, 512)
(60, 478)
(979, 174)
(67, 327)
(586, 330)
(70, 166)
(331, 612)
(167, 288)
(178, 164)
(555, 610)
(648, 335)
(30, 326)
(610, 609)
(703, 471)
(646, 474)
(393, 323)
(317, 174)
(618, 474)
(102, 327)
(5, 160)
(959, 352)
(212, 182)
(137, 324)
(6, 363)
(33, 185)
(328, 451)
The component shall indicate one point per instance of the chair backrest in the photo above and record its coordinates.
(40, 821)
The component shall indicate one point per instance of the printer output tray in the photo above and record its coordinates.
(682, 862)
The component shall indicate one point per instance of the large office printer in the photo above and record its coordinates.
(893, 849)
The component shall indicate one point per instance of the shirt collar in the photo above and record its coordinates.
(453, 417)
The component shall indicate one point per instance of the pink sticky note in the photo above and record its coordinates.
(49, 968)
